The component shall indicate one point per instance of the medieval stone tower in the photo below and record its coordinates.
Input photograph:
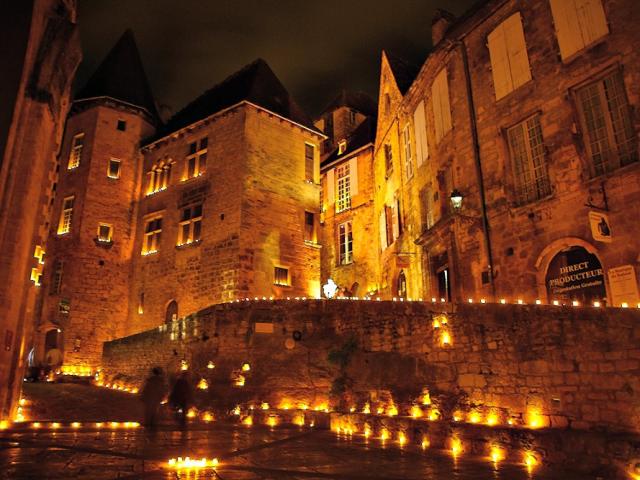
(86, 285)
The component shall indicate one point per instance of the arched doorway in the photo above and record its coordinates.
(53, 347)
(172, 312)
(402, 285)
(575, 274)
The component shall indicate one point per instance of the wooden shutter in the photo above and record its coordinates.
(592, 20)
(420, 134)
(353, 174)
(567, 27)
(388, 211)
(502, 83)
(517, 49)
(331, 186)
(382, 226)
(441, 106)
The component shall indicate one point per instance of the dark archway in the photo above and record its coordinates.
(172, 312)
(402, 285)
(575, 274)
(52, 339)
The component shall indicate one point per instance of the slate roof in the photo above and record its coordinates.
(255, 83)
(359, 101)
(364, 134)
(121, 76)
(404, 72)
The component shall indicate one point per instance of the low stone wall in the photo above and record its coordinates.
(536, 366)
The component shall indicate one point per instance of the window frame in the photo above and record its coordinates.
(275, 276)
(408, 157)
(117, 161)
(309, 162)
(75, 152)
(193, 225)
(152, 237)
(109, 238)
(310, 231)
(345, 243)
(196, 159)
(65, 222)
(343, 187)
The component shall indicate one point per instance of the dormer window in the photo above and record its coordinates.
(342, 147)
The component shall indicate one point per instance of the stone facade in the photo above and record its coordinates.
(254, 197)
(503, 240)
(529, 366)
(40, 54)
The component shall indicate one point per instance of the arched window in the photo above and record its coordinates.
(159, 176)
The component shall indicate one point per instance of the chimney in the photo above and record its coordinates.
(440, 24)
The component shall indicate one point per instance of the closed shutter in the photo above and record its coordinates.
(353, 174)
(441, 107)
(517, 49)
(331, 187)
(388, 211)
(592, 20)
(420, 133)
(579, 23)
(502, 82)
(383, 229)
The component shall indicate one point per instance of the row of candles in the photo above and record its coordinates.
(501, 301)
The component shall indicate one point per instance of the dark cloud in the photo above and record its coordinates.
(315, 48)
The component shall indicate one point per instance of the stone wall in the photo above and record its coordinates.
(535, 366)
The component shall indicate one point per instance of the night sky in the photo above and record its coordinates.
(315, 48)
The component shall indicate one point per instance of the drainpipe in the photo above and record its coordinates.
(478, 164)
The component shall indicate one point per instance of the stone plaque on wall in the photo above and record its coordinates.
(623, 285)
(263, 327)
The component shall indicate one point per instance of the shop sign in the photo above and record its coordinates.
(623, 285)
(575, 274)
(600, 227)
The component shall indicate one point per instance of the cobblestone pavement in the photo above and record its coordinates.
(245, 453)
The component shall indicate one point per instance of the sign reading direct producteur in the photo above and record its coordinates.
(577, 274)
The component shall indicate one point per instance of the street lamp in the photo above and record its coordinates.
(456, 199)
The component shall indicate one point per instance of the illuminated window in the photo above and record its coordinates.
(579, 24)
(607, 126)
(76, 151)
(529, 164)
(190, 225)
(388, 159)
(66, 216)
(281, 276)
(345, 243)
(159, 177)
(114, 168)
(344, 188)
(408, 159)
(152, 235)
(141, 304)
(309, 227)
(309, 162)
(197, 158)
(56, 277)
(105, 232)
(509, 59)
(342, 146)
(122, 125)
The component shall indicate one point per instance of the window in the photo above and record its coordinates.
(509, 59)
(345, 243)
(579, 23)
(388, 160)
(390, 223)
(105, 232)
(76, 151)
(281, 276)
(310, 228)
(441, 106)
(66, 216)
(420, 133)
(342, 147)
(197, 158)
(426, 206)
(122, 125)
(408, 160)
(114, 168)
(387, 103)
(159, 177)
(190, 225)
(344, 188)
(56, 278)
(309, 162)
(528, 157)
(328, 125)
(609, 134)
(352, 117)
(152, 235)
(141, 303)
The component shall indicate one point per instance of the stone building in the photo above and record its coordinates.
(87, 281)
(229, 202)
(154, 222)
(40, 52)
(518, 141)
(347, 202)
